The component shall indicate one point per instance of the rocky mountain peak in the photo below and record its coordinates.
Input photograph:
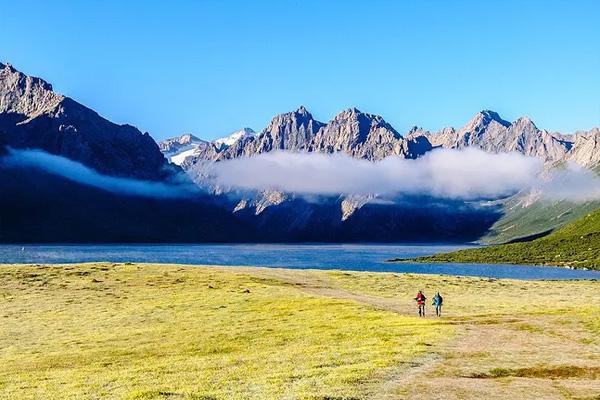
(179, 143)
(484, 118)
(354, 115)
(524, 123)
(32, 116)
(229, 140)
(290, 131)
(187, 138)
(302, 110)
(358, 134)
(9, 69)
(489, 132)
(416, 131)
(23, 94)
(300, 116)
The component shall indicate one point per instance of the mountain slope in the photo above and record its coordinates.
(180, 148)
(586, 148)
(70, 201)
(525, 214)
(32, 115)
(523, 219)
(576, 245)
(40, 207)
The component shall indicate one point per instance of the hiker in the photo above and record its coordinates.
(438, 300)
(420, 298)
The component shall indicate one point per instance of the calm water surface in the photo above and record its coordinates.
(358, 257)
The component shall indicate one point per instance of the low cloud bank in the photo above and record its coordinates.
(79, 173)
(571, 183)
(457, 174)
(467, 174)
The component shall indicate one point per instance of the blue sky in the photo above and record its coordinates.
(211, 67)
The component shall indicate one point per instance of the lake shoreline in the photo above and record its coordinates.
(243, 267)
(425, 261)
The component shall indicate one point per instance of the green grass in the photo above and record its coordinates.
(576, 245)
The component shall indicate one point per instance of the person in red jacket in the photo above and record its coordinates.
(420, 299)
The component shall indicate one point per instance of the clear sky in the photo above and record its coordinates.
(211, 67)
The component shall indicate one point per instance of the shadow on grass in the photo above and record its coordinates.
(557, 372)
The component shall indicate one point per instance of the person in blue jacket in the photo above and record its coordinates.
(438, 300)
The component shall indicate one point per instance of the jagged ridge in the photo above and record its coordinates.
(32, 115)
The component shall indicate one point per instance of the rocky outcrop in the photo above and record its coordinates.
(366, 136)
(23, 95)
(586, 148)
(487, 131)
(32, 115)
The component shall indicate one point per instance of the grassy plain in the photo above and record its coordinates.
(133, 331)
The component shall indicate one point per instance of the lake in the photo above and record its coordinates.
(357, 257)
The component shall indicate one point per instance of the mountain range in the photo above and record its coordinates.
(367, 136)
(33, 116)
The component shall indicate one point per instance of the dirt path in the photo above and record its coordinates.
(526, 359)
(490, 357)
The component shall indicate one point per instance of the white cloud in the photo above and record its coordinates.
(456, 174)
(453, 174)
(571, 183)
(78, 172)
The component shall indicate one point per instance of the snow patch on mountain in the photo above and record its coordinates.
(188, 147)
(234, 137)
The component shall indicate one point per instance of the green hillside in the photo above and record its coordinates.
(521, 221)
(575, 245)
(523, 218)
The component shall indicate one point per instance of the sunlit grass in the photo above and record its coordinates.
(158, 331)
(147, 331)
(472, 297)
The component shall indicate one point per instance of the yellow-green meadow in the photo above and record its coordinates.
(145, 331)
